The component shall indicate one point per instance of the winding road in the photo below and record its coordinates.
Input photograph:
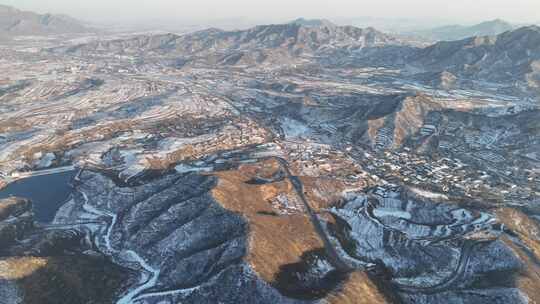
(453, 279)
(332, 253)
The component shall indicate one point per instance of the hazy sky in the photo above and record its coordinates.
(522, 11)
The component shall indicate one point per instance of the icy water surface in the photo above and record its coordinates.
(47, 193)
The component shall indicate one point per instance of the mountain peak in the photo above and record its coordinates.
(492, 27)
(15, 22)
(495, 21)
(312, 22)
(459, 32)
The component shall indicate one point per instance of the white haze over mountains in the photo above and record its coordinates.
(171, 14)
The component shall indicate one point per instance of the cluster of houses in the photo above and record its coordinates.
(449, 175)
(314, 159)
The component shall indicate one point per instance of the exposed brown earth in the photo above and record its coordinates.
(12, 205)
(275, 240)
(406, 121)
(322, 193)
(358, 289)
(66, 279)
(529, 252)
(280, 240)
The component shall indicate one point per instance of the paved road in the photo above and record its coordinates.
(333, 255)
(23, 175)
(453, 279)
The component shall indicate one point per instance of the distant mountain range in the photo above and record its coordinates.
(512, 56)
(15, 22)
(265, 43)
(458, 32)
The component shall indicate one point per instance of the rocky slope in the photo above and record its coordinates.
(403, 122)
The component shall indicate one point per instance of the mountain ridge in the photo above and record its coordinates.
(509, 57)
(15, 22)
(272, 42)
(458, 32)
